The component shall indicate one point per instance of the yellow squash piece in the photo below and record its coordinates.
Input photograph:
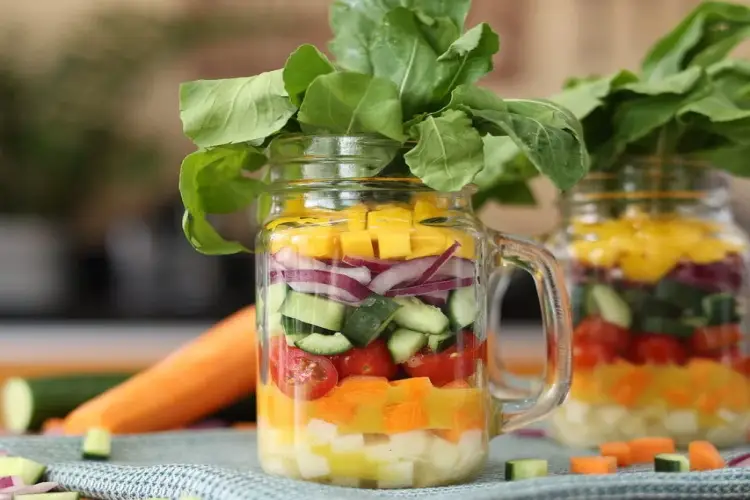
(357, 244)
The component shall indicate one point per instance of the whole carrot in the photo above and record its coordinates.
(202, 377)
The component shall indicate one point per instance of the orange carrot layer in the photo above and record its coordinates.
(704, 456)
(593, 465)
(619, 450)
(643, 450)
(202, 377)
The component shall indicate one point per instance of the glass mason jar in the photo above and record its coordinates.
(372, 303)
(657, 273)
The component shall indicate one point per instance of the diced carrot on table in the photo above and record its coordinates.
(643, 450)
(593, 465)
(619, 450)
(704, 456)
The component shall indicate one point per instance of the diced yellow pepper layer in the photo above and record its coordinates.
(389, 219)
(393, 244)
(357, 244)
(426, 210)
(426, 241)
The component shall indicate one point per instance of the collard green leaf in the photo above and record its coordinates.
(585, 96)
(353, 103)
(400, 52)
(472, 57)
(707, 35)
(732, 77)
(507, 193)
(220, 112)
(503, 164)
(205, 239)
(679, 83)
(732, 159)
(215, 182)
(303, 66)
(449, 151)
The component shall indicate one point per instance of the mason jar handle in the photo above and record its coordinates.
(556, 322)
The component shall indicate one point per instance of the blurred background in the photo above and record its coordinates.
(91, 143)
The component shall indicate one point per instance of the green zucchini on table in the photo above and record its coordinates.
(28, 402)
(528, 468)
(671, 462)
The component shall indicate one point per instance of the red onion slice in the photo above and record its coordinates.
(433, 286)
(435, 267)
(374, 265)
(8, 481)
(404, 272)
(740, 461)
(437, 299)
(335, 285)
(292, 261)
(30, 489)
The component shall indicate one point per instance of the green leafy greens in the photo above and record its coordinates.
(404, 70)
(689, 99)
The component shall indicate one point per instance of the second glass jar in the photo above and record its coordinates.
(657, 273)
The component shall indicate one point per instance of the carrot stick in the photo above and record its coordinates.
(643, 450)
(593, 465)
(704, 456)
(200, 378)
(620, 451)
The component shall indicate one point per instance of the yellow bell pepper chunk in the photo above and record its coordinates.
(357, 244)
(650, 266)
(357, 218)
(319, 242)
(707, 252)
(389, 219)
(426, 210)
(467, 250)
(394, 244)
(426, 241)
(298, 221)
(294, 205)
(595, 253)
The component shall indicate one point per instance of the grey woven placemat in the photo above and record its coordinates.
(222, 465)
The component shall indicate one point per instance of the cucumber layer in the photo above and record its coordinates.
(314, 310)
(439, 343)
(27, 403)
(324, 345)
(404, 344)
(369, 320)
(418, 316)
(97, 445)
(29, 471)
(610, 306)
(462, 308)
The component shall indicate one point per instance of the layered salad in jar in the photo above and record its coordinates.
(375, 373)
(659, 349)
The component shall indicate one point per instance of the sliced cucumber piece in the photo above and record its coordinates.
(667, 326)
(275, 295)
(578, 296)
(686, 297)
(462, 307)
(293, 326)
(529, 468)
(611, 306)
(29, 471)
(97, 445)
(404, 344)
(369, 320)
(291, 340)
(64, 495)
(720, 309)
(439, 343)
(416, 315)
(324, 345)
(274, 325)
(314, 310)
(671, 462)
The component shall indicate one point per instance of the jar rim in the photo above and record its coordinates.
(651, 162)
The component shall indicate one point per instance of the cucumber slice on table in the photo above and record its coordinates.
(610, 306)
(368, 321)
(403, 344)
(439, 343)
(27, 402)
(525, 469)
(324, 345)
(314, 310)
(671, 462)
(29, 471)
(416, 315)
(720, 309)
(97, 445)
(63, 495)
(462, 307)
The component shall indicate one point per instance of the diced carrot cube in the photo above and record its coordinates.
(704, 456)
(619, 450)
(593, 465)
(643, 450)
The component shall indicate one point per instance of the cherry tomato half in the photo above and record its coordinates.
(455, 363)
(711, 339)
(587, 354)
(658, 349)
(301, 375)
(371, 361)
(594, 329)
